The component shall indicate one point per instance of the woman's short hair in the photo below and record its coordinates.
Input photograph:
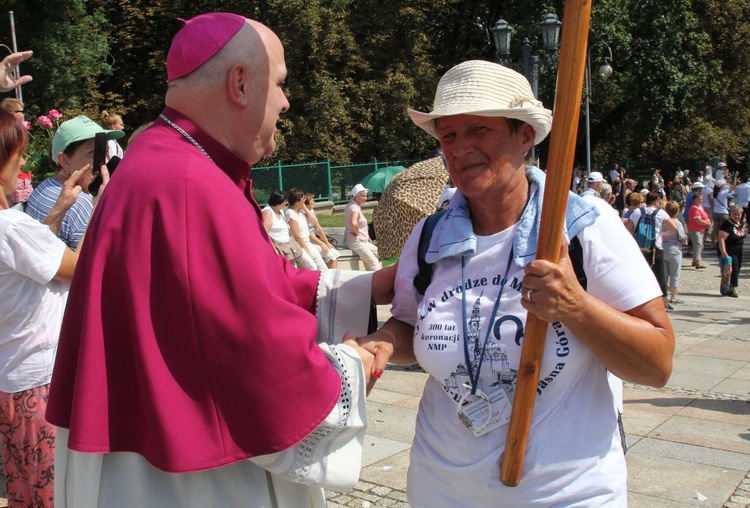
(634, 199)
(672, 208)
(11, 104)
(109, 119)
(736, 208)
(276, 198)
(13, 137)
(294, 196)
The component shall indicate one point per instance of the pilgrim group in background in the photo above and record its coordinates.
(217, 357)
(690, 215)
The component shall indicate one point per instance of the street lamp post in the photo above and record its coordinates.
(605, 71)
(530, 64)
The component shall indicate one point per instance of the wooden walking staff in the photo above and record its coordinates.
(570, 75)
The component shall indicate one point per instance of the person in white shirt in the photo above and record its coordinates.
(721, 207)
(742, 194)
(318, 237)
(720, 169)
(300, 230)
(708, 196)
(466, 326)
(655, 257)
(113, 121)
(35, 272)
(594, 184)
(576, 180)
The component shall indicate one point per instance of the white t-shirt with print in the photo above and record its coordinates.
(32, 304)
(574, 453)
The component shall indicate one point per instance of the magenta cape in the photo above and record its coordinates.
(186, 339)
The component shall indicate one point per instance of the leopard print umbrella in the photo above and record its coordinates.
(409, 197)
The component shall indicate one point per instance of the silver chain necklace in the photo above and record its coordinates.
(185, 134)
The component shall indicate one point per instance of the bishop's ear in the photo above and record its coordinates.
(238, 84)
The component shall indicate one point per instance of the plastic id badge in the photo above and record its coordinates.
(486, 412)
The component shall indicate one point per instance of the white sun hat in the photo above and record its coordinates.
(358, 188)
(482, 88)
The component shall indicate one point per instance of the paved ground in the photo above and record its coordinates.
(689, 442)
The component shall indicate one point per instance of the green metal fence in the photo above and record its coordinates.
(326, 182)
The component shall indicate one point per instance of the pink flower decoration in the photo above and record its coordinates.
(26, 124)
(54, 114)
(44, 121)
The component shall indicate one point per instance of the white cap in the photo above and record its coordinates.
(698, 185)
(722, 164)
(594, 177)
(358, 188)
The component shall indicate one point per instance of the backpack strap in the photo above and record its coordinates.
(424, 277)
(575, 251)
(642, 209)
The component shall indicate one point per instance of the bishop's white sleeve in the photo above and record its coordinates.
(331, 456)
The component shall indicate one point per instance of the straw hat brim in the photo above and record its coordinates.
(540, 119)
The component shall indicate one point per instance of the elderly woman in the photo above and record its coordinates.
(357, 236)
(673, 238)
(35, 272)
(466, 330)
(731, 238)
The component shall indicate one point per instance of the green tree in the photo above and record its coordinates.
(678, 90)
(70, 51)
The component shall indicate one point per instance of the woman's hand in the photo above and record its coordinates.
(366, 356)
(393, 342)
(556, 293)
(381, 345)
(635, 345)
(105, 181)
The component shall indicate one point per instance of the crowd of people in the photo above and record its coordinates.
(295, 231)
(214, 356)
(690, 213)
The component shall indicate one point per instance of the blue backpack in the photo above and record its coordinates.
(645, 230)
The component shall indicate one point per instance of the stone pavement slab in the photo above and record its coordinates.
(660, 477)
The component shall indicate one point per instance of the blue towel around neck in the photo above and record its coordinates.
(454, 234)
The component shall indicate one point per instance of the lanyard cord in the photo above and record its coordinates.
(474, 379)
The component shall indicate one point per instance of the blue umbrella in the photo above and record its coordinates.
(378, 180)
